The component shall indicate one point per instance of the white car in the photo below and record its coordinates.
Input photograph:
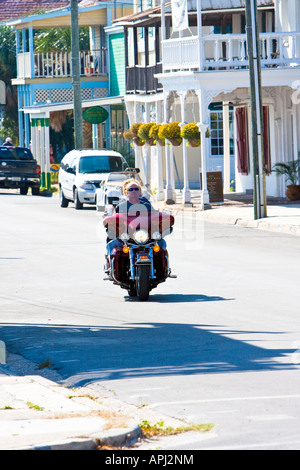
(110, 192)
(81, 173)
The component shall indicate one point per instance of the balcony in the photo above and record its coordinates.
(59, 64)
(229, 51)
(141, 79)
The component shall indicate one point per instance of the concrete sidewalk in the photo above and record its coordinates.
(282, 215)
(36, 413)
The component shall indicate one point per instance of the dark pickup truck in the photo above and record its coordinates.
(18, 169)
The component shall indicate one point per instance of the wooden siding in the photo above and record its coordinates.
(89, 18)
(117, 64)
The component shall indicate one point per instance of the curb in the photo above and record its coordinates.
(19, 382)
(92, 443)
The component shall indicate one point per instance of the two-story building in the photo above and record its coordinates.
(45, 83)
(205, 79)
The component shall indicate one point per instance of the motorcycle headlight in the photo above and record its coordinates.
(156, 236)
(124, 237)
(140, 236)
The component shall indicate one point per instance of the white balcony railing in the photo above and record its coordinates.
(59, 64)
(221, 51)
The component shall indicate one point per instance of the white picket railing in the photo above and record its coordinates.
(59, 64)
(230, 51)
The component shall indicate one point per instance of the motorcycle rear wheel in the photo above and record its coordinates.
(143, 282)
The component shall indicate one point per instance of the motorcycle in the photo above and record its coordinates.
(141, 260)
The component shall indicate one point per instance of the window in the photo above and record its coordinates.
(101, 164)
(267, 155)
(216, 129)
(242, 140)
(18, 153)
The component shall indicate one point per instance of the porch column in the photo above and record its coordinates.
(95, 136)
(40, 147)
(33, 126)
(139, 163)
(159, 155)
(170, 193)
(199, 30)
(147, 149)
(27, 130)
(31, 50)
(47, 150)
(226, 147)
(21, 128)
(18, 50)
(43, 156)
(203, 125)
(186, 189)
(163, 20)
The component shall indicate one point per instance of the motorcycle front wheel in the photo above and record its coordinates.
(143, 282)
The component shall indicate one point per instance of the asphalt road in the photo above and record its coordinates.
(220, 344)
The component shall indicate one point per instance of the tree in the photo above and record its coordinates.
(59, 39)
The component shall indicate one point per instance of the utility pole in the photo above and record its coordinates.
(78, 129)
(259, 186)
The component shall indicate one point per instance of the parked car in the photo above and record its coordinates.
(81, 173)
(18, 169)
(110, 191)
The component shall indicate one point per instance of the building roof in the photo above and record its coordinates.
(15, 9)
(207, 5)
(140, 16)
(12, 9)
(225, 4)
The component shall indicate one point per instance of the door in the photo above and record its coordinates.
(70, 175)
(65, 176)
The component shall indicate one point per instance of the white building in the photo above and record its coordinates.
(204, 78)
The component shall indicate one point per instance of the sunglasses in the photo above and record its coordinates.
(133, 189)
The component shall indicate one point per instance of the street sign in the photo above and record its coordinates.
(214, 186)
(54, 167)
(95, 115)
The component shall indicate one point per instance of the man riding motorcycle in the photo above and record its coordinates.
(137, 258)
(134, 205)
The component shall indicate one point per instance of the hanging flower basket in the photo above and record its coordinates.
(175, 142)
(128, 135)
(171, 132)
(132, 134)
(144, 133)
(139, 142)
(154, 134)
(194, 142)
(191, 133)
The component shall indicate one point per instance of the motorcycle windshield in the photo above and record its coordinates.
(153, 221)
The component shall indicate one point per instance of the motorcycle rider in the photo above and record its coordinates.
(135, 205)
(132, 190)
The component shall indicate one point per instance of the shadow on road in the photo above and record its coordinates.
(82, 354)
(176, 298)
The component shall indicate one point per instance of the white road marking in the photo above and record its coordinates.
(220, 400)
